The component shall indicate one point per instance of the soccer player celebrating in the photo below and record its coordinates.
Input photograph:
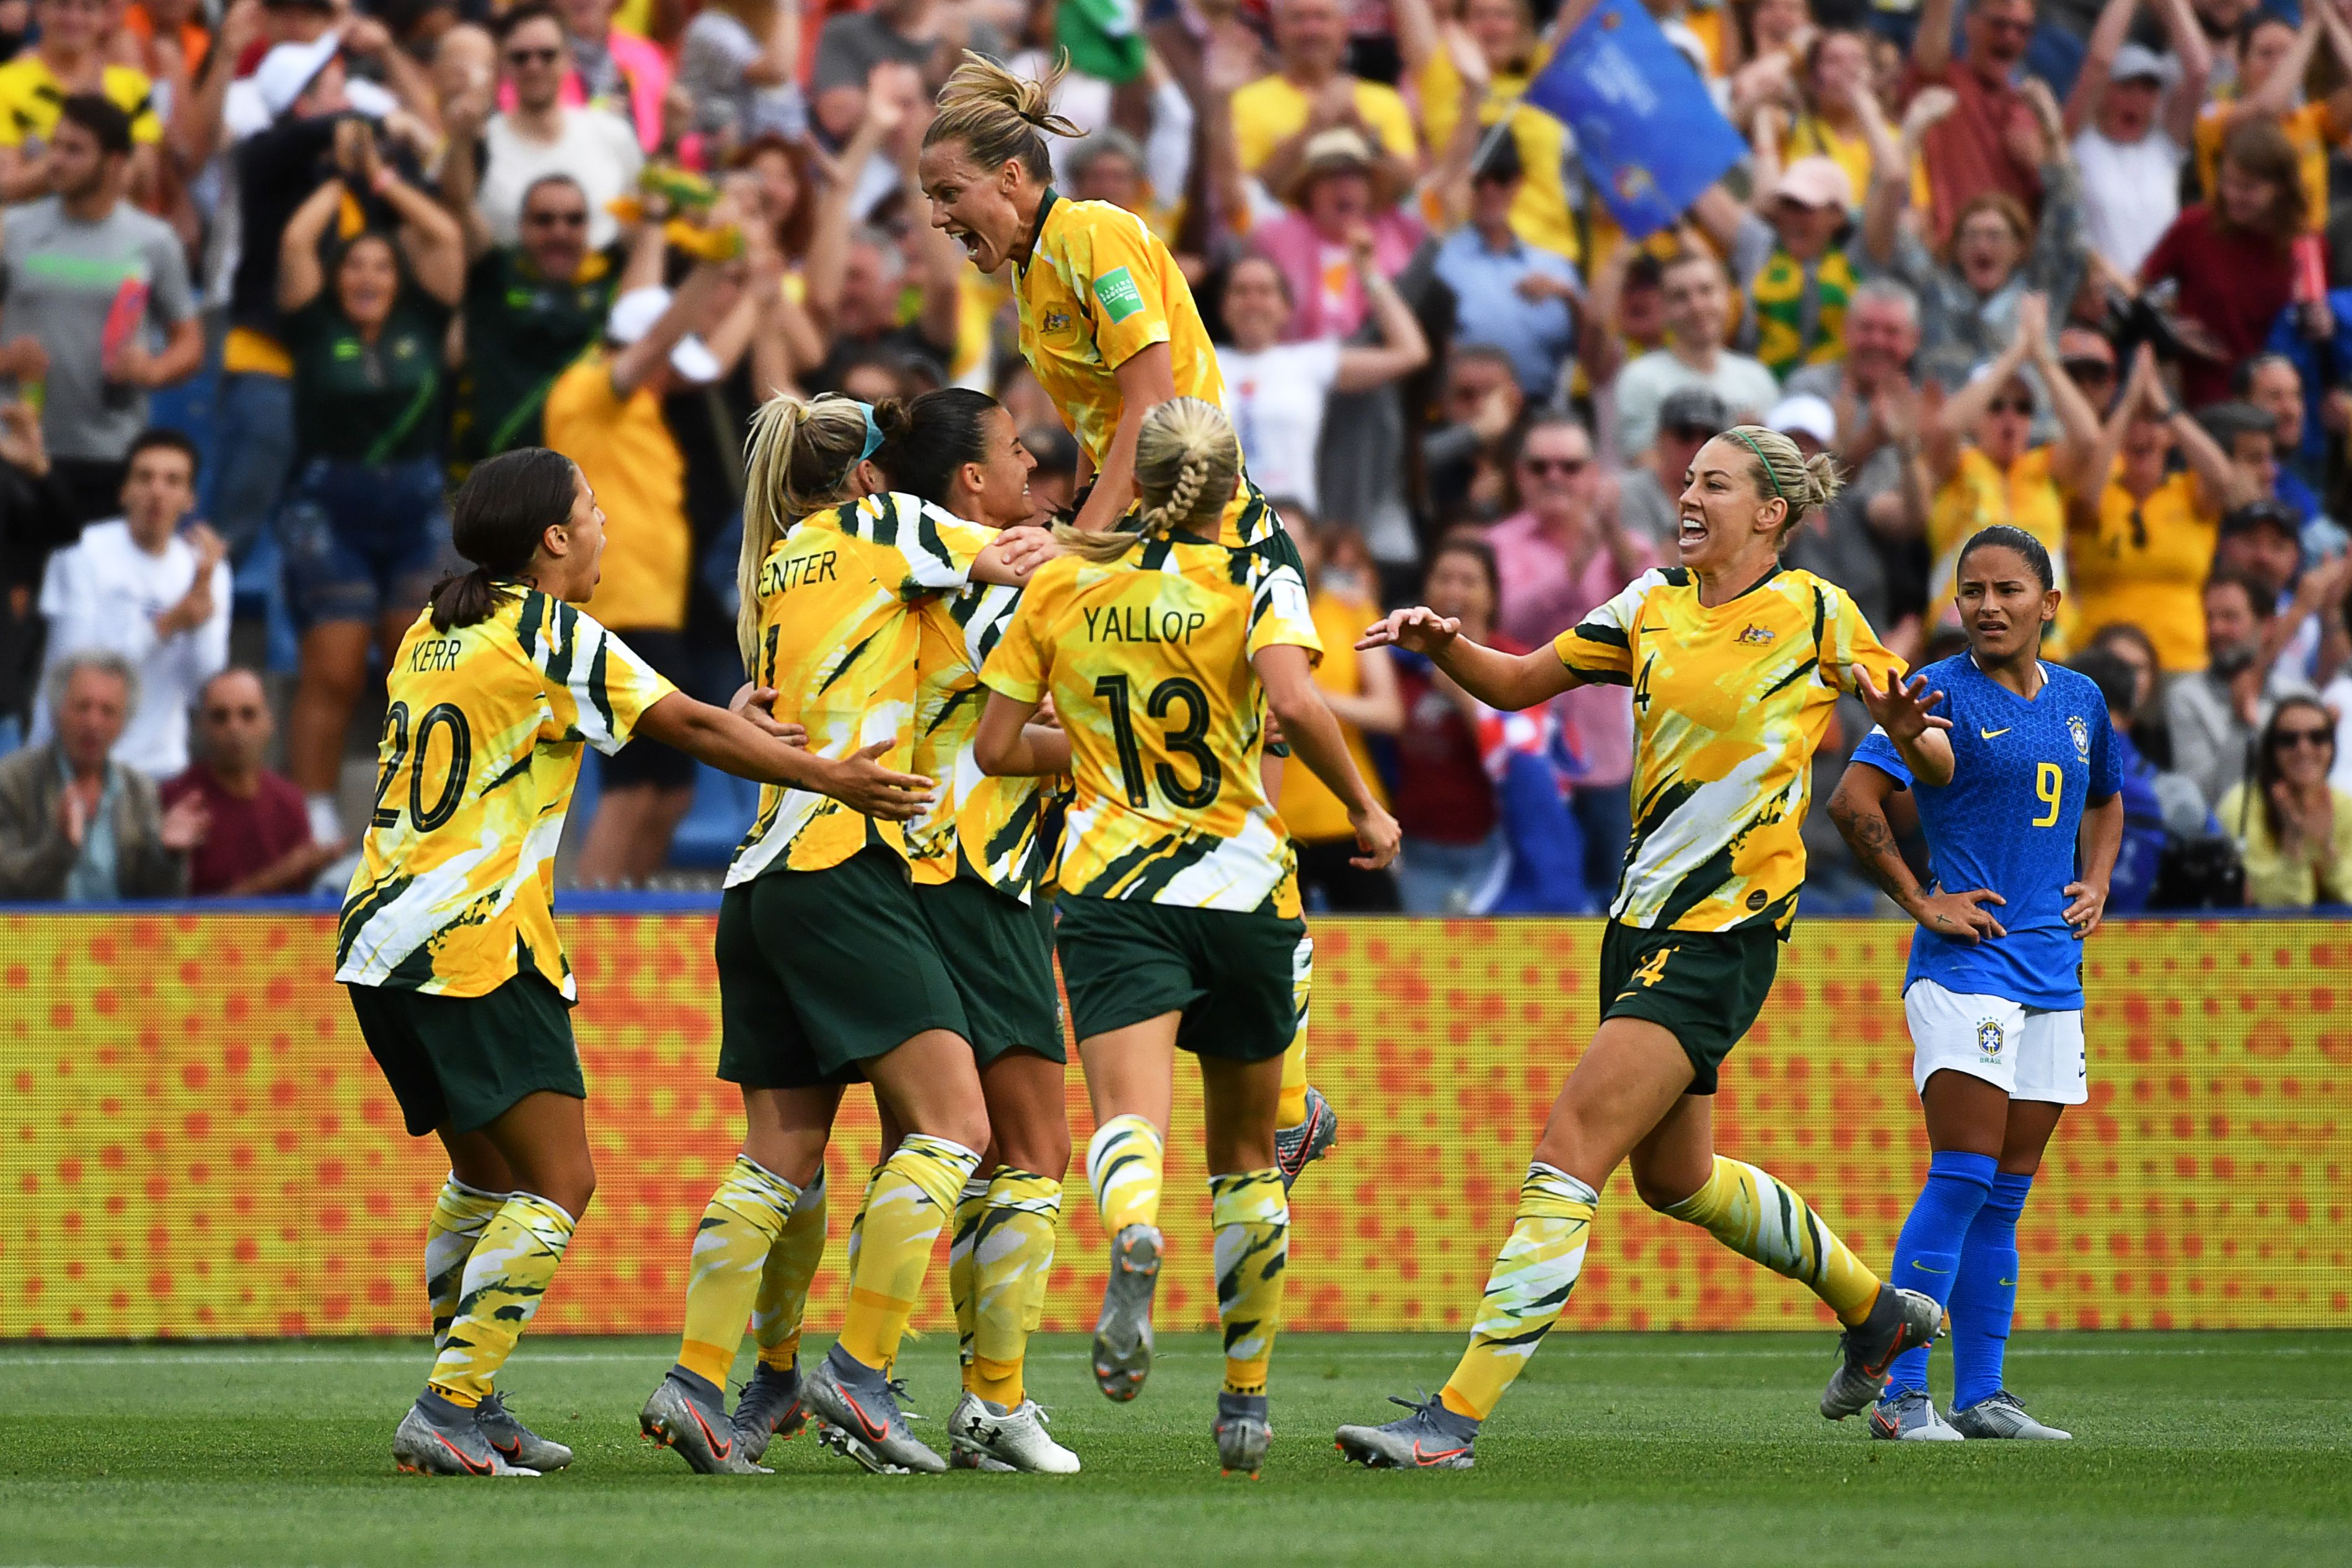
(447, 939)
(1110, 326)
(828, 970)
(2021, 800)
(1161, 651)
(1734, 665)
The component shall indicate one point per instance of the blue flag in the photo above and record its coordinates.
(1646, 128)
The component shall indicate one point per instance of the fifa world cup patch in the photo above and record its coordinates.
(1119, 296)
(1989, 1039)
(1757, 634)
(2082, 733)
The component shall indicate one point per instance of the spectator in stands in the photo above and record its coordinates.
(1495, 41)
(90, 277)
(2270, 382)
(1995, 142)
(530, 309)
(863, 314)
(1277, 391)
(1833, 91)
(2132, 114)
(2292, 827)
(37, 517)
(76, 827)
(1467, 457)
(493, 159)
(1649, 494)
(138, 587)
(1848, 540)
(928, 35)
(1361, 690)
(2134, 879)
(2274, 57)
(740, 62)
(617, 70)
(363, 525)
(1698, 304)
(1507, 293)
(1340, 190)
(2213, 714)
(1453, 858)
(1882, 336)
(1309, 92)
(1054, 482)
(2231, 256)
(70, 60)
(257, 836)
(2263, 540)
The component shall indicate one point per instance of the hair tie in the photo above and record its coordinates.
(872, 433)
(1745, 439)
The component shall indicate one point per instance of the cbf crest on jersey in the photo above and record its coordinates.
(2082, 733)
(1989, 1037)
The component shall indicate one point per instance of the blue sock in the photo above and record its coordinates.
(1927, 1253)
(1984, 1297)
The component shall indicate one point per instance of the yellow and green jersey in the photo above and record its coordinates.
(977, 825)
(1098, 289)
(838, 639)
(1147, 661)
(455, 890)
(1729, 704)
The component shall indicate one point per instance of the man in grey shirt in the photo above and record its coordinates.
(2214, 713)
(1649, 494)
(91, 282)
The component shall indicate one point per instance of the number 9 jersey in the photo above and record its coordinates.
(1147, 661)
(454, 894)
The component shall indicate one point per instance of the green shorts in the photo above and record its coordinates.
(819, 970)
(1000, 955)
(1704, 987)
(461, 1062)
(1233, 976)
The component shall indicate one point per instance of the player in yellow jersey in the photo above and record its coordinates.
(1163, 653)
(827, 972)
(1735, 664)
(447, 939)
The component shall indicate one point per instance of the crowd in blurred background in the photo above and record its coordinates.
(275, 275)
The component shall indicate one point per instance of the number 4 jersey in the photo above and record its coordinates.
(1147, 661)
(455, 889)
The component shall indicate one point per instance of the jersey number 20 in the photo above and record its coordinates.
(440, 716)
(1190, 742)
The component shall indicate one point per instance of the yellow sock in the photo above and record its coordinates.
(970, 1205)
(1756, 1215)
(458, 1216)
(912, 1197)
(506, 1279)
(1532, 1276)
(782, 1302)
(1251, 1213)
(1123, 1168)
(1292, 1108)
(739, 1227)
(1011, 1257)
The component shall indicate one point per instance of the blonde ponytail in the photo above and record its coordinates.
(1781, 472)
(802, 458)
(1187, 465)
(999, 116)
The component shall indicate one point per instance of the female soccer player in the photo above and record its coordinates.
(447, 939)
(2021, 800)
(1110, 326)
(1179, 914)
(1734, 665)
(826, 969)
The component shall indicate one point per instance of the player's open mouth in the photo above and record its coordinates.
(969, 240)
(1693, 531)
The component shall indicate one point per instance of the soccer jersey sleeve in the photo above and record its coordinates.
(919, 549)
(597, 686)
(2106, 764)
(1880, 753)
(1600, 647)
(1847, 640)
(1117, 266)
(1020, 666)
(1280, 616)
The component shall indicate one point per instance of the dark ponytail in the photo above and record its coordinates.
(504, 507)
(925, 443)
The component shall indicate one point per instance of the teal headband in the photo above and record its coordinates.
(872, 433)
(1745, 439)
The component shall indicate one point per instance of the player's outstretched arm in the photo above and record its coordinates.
(1510, 681)
(1314, 734)
(1903, 711)
(1858, 808)
(1007, 745)
(734, 744)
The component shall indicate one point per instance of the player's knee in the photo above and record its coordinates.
(1662, 1191)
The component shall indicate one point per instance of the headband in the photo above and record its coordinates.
(872, 433)
(1745, 439)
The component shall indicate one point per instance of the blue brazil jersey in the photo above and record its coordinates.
(2022, 774)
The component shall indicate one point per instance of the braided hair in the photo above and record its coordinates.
(1188, 463)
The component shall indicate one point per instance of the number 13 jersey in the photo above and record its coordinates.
(1147, 661)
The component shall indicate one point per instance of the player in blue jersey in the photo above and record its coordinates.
(2023, 827)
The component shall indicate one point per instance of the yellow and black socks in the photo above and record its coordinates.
(1292, 1108)
(1525, 1294)
(731, 1244)
(971, 1204)
(1250, 1212)
(505, 1281)
(1012, 1253)
(460, 1215)
(1759, 1216)
(911, 1200)
(782, 1302)
(1125, 1163)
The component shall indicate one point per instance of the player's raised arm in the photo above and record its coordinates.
(1508, 682)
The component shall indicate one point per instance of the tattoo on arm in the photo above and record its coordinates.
(1872, 843)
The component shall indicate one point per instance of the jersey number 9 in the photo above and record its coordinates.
(2049, 785)
(1190, 742)
(441, 716)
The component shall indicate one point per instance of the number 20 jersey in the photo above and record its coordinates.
(1147, 661)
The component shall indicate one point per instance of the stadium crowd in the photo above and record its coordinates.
(293, 268)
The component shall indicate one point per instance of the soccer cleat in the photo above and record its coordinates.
(1123, 1333)
(1244, 1433)
(1899, 1320)
(1296, 1148)
(1016, 1438)
(963, 1459)
(517, 1443)
(1431, 1438)
(2000, 1414)
(438, 1438)
(1909, 1416)
(770, 1407)
(859, 1409)
(688, 1413)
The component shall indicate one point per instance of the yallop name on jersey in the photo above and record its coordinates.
(779, 572)
(1141, 623)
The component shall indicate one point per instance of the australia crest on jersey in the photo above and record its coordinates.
(1757, 634)
(2076, 727)
(1989, 1039)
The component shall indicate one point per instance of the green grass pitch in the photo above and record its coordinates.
(1614, 1450)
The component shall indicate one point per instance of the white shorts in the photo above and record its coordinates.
(2031, 1053)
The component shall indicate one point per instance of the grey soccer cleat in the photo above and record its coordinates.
(1296, 1148)
(962, 1458)
(440, 1438)
(1431, 1438)
(770, 1407)
(517, 1443)
(1909, 1416)
(1899, 1320)
(861, 1419)
(1244, 1433)
(2000, 1414)
(1122, 1358)
(688, 1413)
(1013, 1439)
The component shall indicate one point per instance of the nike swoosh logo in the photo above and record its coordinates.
(1926, 1270)
(1992, 734)
(719, 1448)
(872, 1431)
(1421, 1458)
(1646, 629)
(472, 1468)
(511, 1450)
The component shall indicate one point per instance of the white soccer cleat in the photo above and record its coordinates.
(1999, 1414)
(1016, 1438)
(1909, 1417)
